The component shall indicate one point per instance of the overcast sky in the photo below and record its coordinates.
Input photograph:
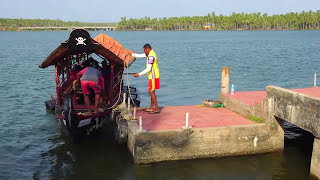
(112, 10)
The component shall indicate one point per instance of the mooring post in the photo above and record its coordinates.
(124, 98)
(225, 79)
(129, 103)
(187, 119)
(141, 130)
(140, 123)
(315, 79)
(186, 126)
(134, 112)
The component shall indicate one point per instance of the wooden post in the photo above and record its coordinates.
(225, 79)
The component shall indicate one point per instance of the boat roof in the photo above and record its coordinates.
(80, 41)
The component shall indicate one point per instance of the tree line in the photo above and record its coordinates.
(15, 24)
(235, 21)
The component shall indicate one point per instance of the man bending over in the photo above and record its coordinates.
(91, 78)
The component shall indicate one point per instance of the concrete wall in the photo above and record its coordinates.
(299, 109)
(158, 146)
(261, 110)
(258, 110)
(315, 161)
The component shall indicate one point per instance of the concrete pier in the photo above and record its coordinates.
(212, 133)
(300, 107)
(189, 132)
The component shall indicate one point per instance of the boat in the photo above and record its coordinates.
(68, 102)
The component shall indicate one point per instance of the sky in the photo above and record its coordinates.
(112, 10)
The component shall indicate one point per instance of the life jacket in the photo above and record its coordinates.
(154, 73)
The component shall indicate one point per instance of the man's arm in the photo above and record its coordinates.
(148, 68)
(139, 55)
(79, 75)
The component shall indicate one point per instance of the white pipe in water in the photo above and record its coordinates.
(315, 79)
(187, 119)
(134, 112)
(129, 103)
(140, 123)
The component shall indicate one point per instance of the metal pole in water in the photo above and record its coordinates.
(187, 119)
(129, 103)
(315, 79)
(140, 123)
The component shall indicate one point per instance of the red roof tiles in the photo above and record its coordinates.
(115, 47)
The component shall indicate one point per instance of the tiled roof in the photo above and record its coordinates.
(115, 47)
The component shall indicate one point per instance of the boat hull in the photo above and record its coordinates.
(76, 128)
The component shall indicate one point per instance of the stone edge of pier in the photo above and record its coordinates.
(180, 144)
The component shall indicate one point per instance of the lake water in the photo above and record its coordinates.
(32, 145)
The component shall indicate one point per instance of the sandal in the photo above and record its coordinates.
(148, 110)
(154, 112)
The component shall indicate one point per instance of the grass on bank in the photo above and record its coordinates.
(255, 119)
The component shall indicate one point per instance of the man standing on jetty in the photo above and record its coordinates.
(152, 70)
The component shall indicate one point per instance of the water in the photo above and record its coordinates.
(32, 145)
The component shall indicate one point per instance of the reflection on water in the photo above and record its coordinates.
(100, 157)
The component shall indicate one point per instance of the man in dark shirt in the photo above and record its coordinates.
(91, 78)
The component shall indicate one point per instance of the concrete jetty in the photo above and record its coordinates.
(195, 131)
(210, 133)
(300, 107)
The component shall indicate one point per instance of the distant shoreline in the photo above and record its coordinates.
(48, 30)
(291, 21)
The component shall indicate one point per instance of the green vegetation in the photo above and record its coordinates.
(236, 21)
(255, 119)
(15, 24)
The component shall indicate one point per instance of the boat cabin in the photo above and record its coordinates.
(106, 54)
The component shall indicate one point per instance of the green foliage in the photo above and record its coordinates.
(14, 24)
(236, 21)
(255, 119)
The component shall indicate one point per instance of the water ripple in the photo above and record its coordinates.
(32, 146)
